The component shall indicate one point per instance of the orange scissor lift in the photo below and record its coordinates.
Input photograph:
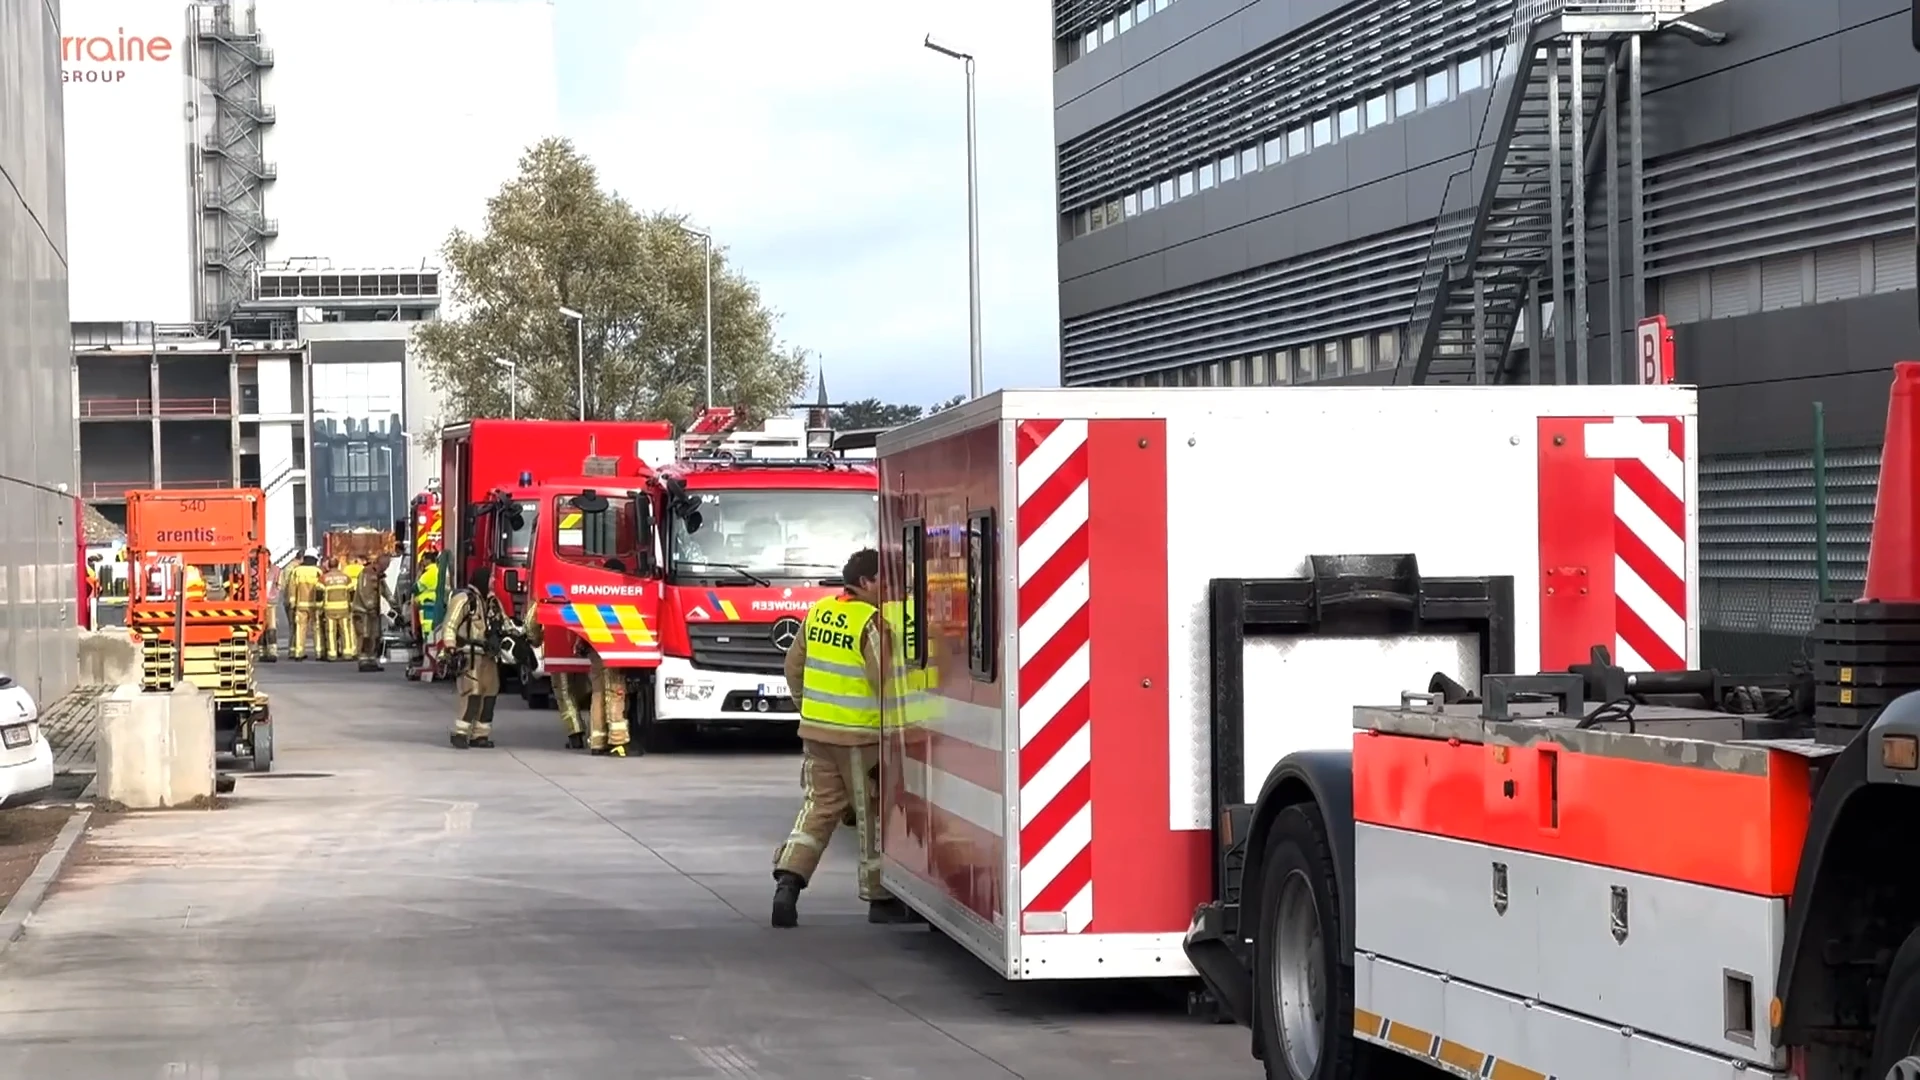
(204, 633)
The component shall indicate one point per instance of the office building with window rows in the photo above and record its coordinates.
(1311, 192)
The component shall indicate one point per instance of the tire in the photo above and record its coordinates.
(262, 748)
(1297, 957)
(1896, 1038)
(648, 732)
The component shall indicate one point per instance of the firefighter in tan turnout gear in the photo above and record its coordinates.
(607, 716)
(473, 633)
(834, 671)
(566, 687)
(336, 605)
(370, 592)
(303, 601)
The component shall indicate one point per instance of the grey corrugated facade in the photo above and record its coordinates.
(1318, 138)
(37, 557)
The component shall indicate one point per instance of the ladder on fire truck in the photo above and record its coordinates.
(1552, 123)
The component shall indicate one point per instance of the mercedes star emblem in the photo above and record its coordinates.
(784, 632)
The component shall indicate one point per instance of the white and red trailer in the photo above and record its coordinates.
(1049, 792)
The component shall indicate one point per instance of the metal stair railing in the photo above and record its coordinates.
(1465, 214)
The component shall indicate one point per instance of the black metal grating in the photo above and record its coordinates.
(1839, 176)
(1352, 289)
(1363, 48)
(736, 646)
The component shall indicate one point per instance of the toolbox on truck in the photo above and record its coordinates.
(1057, 680)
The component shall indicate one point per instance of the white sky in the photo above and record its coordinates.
(825, 148)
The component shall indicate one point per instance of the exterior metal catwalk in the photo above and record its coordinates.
(229, 62)
(1517, 216)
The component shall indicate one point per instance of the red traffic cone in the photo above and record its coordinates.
(1893, 556)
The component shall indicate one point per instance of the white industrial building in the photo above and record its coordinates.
(258, 195)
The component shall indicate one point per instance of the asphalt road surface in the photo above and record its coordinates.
(383, 906)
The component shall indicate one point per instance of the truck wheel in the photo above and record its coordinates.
(262, 747)
(652, 736)
(1303, 994)
(1896, 1038)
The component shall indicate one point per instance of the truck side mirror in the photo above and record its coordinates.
(643, 518)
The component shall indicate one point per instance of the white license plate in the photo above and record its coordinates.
(16, 736)
(773, 690)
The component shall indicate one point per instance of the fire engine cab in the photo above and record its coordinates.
(759, 525)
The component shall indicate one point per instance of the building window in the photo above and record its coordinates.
(1438, 86)
(1301, 360)
(1296, 142)
(1330, 360)
(1142, 11)
(1357, 355)
(1226, 168)
(1132, 205)
(1350, 121)
(1107, 30)
(1271, 153)
(1322, 131)
(1279, 368)
(1126, 19)
(1386, 352)
(1206, 176)
(1186, 184)
(1250, 158)
(1166, 192)
(1472, 74)
(1406, 99)
(1377, 110)
(1090, 42)
(1146, 199)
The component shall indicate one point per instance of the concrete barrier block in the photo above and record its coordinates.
(109, 658)
(156, 750)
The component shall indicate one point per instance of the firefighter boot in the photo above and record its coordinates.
(786, 898)
(462, 734)
(483, 730)
(576, 740)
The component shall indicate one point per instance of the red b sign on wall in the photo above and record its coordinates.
(1655, 343)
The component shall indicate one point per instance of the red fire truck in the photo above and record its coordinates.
(489, 470)
(752, 543)
(755, 529)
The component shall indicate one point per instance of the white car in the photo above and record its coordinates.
(26, 758)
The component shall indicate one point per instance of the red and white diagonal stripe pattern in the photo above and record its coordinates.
(1056, 642)
(1650, 538)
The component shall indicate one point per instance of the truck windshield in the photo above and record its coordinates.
(607, 537)
(773, 535)
(519, 544)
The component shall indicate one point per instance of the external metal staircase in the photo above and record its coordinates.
(1501, 234)
(234, 171)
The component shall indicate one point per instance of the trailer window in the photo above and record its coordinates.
(913, 550)
(606, 537)
(980, 595)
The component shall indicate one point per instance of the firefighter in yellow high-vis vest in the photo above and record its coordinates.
(834, 670)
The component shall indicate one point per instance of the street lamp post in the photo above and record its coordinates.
(579, 353)
(973, 220)
(706, 240)
(513, 387)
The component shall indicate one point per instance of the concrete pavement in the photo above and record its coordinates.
(386, 907)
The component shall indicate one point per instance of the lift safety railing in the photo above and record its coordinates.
(1501, 220)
